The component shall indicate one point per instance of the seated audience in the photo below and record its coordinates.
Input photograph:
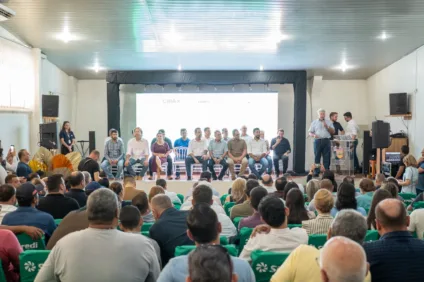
(410, 177)
(104, 182)
(280, 238)
(245, 209)
(76, 192)
(257, 150)
(73, 256)
(116, 187)
(204, 229)
(10, 250)
(416, 223)
(252, 176)
(256, 196)
(380, 178)
(172, 195)
(296, 205)
(394, 181)
(130, 188)
(328, 174)
(268, 183)
(217, 201)
(13, 180)
(91, 187)
(393, 189)
(23, 169)
(11, 162)
(7, 200)
(40, 185)
(55, 202)
(290, 185)
(302, 266)
(205, 176)
(336, 261)
(141, 202)
(169, 230)
(155, 190)
(27, 214)
(346, 200)
(91, 165)
(87, 177)
(324, 202)
(238, 194)
(324, 184)
(114, 155)
(32, 176)
(280, 183)
(237, 151)
(311, 188)
(379, 195)
(197, 153)
(396, 256)
(367, 192)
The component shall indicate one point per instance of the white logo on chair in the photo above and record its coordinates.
(29, 266)
(261, 267)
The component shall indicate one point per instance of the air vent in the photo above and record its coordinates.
(6, 13)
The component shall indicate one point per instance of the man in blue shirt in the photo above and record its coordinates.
(180, 146)
(321, 130)
(23, 169)
(27, 214)
(203, 228)
(397, 256)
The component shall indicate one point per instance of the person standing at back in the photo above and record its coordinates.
(410, 177)
(247, 138)
(404, 151)
(352, 130)
(67, 138)
(281, 148)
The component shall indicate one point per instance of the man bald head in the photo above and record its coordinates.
(267, 180)
(391, 216)
(343, 260)
(160, 203)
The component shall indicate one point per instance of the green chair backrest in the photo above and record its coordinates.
(294, 225)
(186, 249)
(244, 236)
(30, 262)
(177, 205)
(408, 197)
(2, 275)
(317, 240)
(418, 205)
(223, 240)
(228, 206)
(367, 210)
(181, 197)
(27, 243)
(57, 221)
(265, 264)
(372, 235)
(145, 233)
(236, 221)
(146, 226)
(223, 197)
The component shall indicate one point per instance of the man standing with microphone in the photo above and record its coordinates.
(321, 130)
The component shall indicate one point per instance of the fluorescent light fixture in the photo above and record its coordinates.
(344, 66)
(261, 67)
(96, 67)
(179, 67)
(65, 36)
(383, 36)
(172, 36)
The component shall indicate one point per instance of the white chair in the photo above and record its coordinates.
(196, 168)
(179, 159)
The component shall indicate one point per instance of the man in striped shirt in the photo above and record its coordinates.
(114, 155)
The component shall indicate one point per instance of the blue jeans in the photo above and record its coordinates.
(177, 166)
(133, 162)
(252, 167)
(285, 160)
(107, 169)
(322, 147)
(269, 159)
(189, 161)
(224, 164)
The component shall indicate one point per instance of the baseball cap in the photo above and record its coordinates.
(93, 185)
(26, 191)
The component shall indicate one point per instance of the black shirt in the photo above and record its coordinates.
(79, 195)
(57, 205)
(282, 147)
(337, 127)
(90, 165)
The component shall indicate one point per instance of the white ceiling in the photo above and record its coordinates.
(316, 35)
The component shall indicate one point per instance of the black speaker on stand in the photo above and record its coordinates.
(380, 134)
(48, 135)
(92, 141)
(367, 152)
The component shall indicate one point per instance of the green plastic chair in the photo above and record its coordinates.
(294, 225)
(145, 233)
(367, 210)
(181, 197)
(418, 205)
(27, 243)
(244, 236)
(185, 250)
(146, 226)
(57, 221)
(317, 240)
(2, 275)
(223, 197)
(372, 235)
(30, 262)
(223, 240)
(265, 264)
(408, 197)
(236, 220)
(177, 205)
(228, 206)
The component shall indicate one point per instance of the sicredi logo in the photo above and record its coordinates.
(30, 246)
(262, 267)
(29, 266)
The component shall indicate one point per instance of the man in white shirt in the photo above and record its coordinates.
(352, 129)
(268, 150)
(280, 238)
(172, 195)
(7, 200)
(197, 152)
(244, 135)
(207, 138)
(137, 152)
(416, 222)
(256, 149)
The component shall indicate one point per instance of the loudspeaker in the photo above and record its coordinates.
(91, 141)
(380, 134)
(50, 105)
(398, 103)
(48, 135)
(366, 152)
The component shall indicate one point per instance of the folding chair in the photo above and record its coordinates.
(30, 263)
(146, 226)
(244, 236)
(408, 197)
(2, 275)
(372, 235)
(186, 249)
(179, 160)
(57, 221)
(236, 221)
(317, 240)
(265, 264)
(223, 197)
(181, 197)
(418, 205)
(228, 206)
(27, 243)
(294, 225)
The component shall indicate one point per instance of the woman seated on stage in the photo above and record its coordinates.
(160, 150)
(67, 138)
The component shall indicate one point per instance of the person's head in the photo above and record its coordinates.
(130, 219)
(236, 134)
(328, 174)
(207, 132)
(137, 133)
(257, 133)
(56, 184)
(218, 135)
(290, 185)
(203, 225)
(141, 202)
(104, 182)
(205, 260)
(296, 205)
(350, 224)
(311, 188)
(336, 261)
(207, 175)
(379, 195)
(346, 197)
(116, 187)
(129, 181)
(183, 133)
(7, 194)
(250, 184)
(224, 132)
(238, 190)
(95, 155)
(379, 179)
(155, 190)
(159, 137)
(409, 160)
(347, 116)
(288, 176)
(267, 180)
(87, 177)
(66, 125)
(326, 184)
(262, 134)
(161, 182)
(334, 116)
(273, 212)
(393, 181)
(366, 185)
(198, 132)
(404, 150)
(391, 216)
(321, 114)
(252, 176)
(27, 195)
(159, 204)
(102, 208)
(23, 156)
(202, 194)
(32, 176)
(281, 133)
(349, 179)
(91, 187)
(243, 130)
(113, 134)
(391, 188)
(323, 201)
(256, 195)
(280, 183)
(162, 131)
(76, 180)
(13, 180)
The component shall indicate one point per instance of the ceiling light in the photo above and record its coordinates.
(65, 36)
(179, 67)
(343, 66)
(261, 67)
(383, 36)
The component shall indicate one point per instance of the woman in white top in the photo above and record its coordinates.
(410, 177)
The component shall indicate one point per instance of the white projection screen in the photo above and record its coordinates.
(173, 111)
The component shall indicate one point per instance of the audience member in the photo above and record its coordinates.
(130, 188)
(172, 195)
(40, 185)
(169, 230)
(3, 172)
(55, 202)
(91, 187)
(349, 179)
(404, 151)
(87, 177)
(187, 205)
(155, 190)
(245, 209)
(10, 250)
(416, 223)
(238, 194)
(72, 260)
(290, 185)
(280, 184)
(141, 202)
(394, 181)
(27, 214)
(204, 229)
(23, 169)
(256, 196)
(268, 183)
(296, 205)
(116, 187)
(311, 188)
(393, 189)
(280, 238)
(7, 200)
(420, 167)
(346, 200)
(327, 184)
(32, 176)
(197, 152)
(256, 148)
(13, 180)
(396, 256)
(76, 192)
(252, 176)
(237, 151)
(114, 155)
(379, 195)
(410, 177)
(367, 192)
(328, 174)
(104, 182)
(380, 178)
(324, 202)
(91, 165)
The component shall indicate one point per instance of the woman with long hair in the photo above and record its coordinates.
(410, 177)
(296, 205)
(155, 190)
(67, 138)
(238, 194)
(379, 196)
(290, 185)
(118, 189)
(346, 200)
(311, 188)
(160, 151)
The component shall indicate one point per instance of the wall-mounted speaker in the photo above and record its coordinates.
(91, 141)
(50, 105)
(380, 134)
(48, 135)
(398, 103)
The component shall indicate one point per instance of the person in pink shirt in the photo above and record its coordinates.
(9, 254)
